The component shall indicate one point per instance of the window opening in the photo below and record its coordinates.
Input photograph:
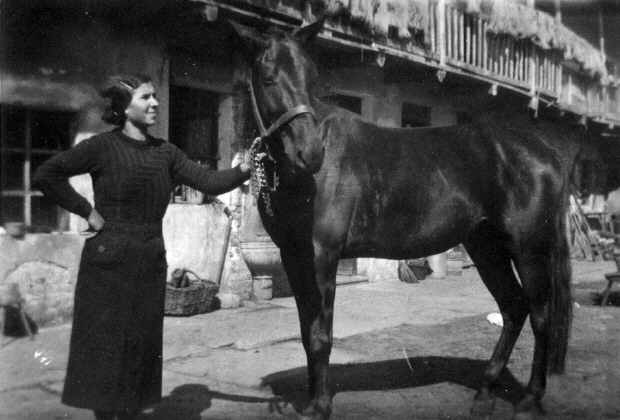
(28, 137)
(352, 103)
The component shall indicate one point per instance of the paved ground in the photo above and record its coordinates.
(401, 351)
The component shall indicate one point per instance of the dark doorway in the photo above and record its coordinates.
(414, 115)
(193, 123)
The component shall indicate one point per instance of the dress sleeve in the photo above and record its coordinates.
(209, 181)
(52, 177)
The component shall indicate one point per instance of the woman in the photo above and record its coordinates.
(115, 357)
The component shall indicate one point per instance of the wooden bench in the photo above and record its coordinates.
(611, 279)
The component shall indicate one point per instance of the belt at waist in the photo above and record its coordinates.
(136, 228)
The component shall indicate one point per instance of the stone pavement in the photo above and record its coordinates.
(215, 364)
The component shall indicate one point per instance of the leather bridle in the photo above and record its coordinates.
(281, 121)
(260, 184)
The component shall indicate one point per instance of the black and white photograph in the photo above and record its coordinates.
(310, 209)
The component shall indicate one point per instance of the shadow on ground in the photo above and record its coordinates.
(291, 386)
(188, 401)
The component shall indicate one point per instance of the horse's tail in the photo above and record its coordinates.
(561, 304)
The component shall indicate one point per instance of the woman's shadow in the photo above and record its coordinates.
(188, 401)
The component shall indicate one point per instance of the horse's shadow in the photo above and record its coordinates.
(290, 385)
(188, 401)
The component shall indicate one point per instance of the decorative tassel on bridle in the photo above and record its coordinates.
(260, 186)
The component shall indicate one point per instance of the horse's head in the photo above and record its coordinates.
(280, 80)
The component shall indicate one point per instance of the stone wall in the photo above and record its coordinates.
(44, 266)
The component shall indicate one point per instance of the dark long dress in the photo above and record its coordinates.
(115, 357)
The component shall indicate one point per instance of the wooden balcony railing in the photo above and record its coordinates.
(463, 42)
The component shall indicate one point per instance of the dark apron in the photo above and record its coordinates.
(115, 356)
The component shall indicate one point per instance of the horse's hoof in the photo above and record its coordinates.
(311, 415)
(319, 409)
(528, 415)
(529, 408)
(482, 409)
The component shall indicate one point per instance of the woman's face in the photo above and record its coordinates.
(142, 110)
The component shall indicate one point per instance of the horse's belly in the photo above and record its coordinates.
(400, 248)
(405, 235)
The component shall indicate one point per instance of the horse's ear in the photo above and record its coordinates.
(309, 32)
(251, 38)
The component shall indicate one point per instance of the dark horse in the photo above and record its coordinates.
(348, 188)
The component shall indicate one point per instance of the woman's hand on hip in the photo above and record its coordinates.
(95, 221)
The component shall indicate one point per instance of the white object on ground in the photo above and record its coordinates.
(229, 300)
(495, 318)
(439, 265)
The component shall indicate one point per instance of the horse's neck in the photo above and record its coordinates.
(322, 109)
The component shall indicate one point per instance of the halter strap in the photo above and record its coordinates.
(283, 119)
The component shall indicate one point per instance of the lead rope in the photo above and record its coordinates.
(259, 183)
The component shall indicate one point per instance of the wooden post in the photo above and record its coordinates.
(480, 42)
(549, 74)
(500, 44)
(504, 55)
(454, 28)
(490, 51)
(433, 27)
(461, 25)
(601, 32)
(521, 62)
(441, 31)
(532, 69)
(513, 61)
(546, 71)
(495, 54)
(27, 166)
(468, 45)
(569, 93)
(475, 22)
(517, 46)
(559, 77)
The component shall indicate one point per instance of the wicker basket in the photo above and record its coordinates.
(197, 298)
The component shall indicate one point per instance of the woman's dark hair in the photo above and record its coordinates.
(119, 90)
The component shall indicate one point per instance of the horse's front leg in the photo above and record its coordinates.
(312, 274)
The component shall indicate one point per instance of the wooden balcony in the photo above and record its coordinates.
(571, 74)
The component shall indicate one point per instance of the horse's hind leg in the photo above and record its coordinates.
(488, 250)
(545, 272)
(533, 269)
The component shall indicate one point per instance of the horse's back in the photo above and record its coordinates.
(407, 192)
